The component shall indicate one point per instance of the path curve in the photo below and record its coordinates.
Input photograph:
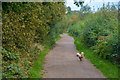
(61, 62)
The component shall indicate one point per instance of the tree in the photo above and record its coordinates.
(85, 9)
(69, 10)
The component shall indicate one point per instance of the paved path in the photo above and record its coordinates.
(61, 62)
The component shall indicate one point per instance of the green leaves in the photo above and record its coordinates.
(99, 30)
(25, 24)
(8, 56)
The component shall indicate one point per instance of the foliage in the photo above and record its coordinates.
(59, 37)
(89, 27)
(11, 67)
(26, 24)
(85, 9)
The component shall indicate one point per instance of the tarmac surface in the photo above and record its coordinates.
(62, 62)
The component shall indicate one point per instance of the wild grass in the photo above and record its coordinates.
(37, 67)
(108, 69)
(59, 37)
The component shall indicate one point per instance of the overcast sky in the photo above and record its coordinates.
(96, 3)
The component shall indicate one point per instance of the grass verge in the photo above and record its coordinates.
(35, 71)
(37, 67)
(107, 68)
(59, 37)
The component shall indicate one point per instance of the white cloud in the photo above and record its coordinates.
(91, 3)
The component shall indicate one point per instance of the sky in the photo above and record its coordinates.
(96, 3)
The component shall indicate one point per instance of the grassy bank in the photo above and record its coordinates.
(37, 65)
(107, 68)
(59, 37)
(35, 71)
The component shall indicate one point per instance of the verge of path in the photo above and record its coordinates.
(61, 62)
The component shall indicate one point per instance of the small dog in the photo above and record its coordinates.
(80, 55)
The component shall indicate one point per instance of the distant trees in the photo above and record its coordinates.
(85, 9)
(69, 10)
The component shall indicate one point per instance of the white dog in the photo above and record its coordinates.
(80, 55)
